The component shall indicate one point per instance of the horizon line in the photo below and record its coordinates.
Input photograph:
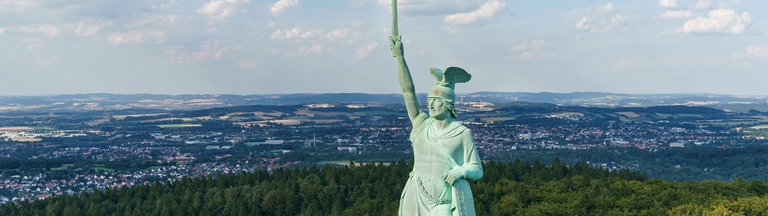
(320, 93)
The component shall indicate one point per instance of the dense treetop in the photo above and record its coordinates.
(508, 188)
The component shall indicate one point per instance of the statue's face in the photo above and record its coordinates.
(437, 108)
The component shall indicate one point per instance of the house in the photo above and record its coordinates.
(677, 145)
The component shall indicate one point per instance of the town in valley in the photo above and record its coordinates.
(59, 145)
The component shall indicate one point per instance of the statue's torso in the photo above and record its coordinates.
(435, 153)
(433, 149)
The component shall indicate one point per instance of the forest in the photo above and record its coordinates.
(507, 188)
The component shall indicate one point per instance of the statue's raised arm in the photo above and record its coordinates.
(444, 152)
(404, 74)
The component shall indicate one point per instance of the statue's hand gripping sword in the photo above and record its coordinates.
(395, 37)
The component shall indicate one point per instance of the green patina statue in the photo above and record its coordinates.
(444, 152)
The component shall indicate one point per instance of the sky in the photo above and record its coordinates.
(334, 46)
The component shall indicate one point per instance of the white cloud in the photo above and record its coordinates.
(281, 5)
(47, 30)
(2, 30)
(220, 9)
(583, 23)
(757, 51)
(668, 3)
(454, 12)
(676, 14)
(84, 28)
(718, 21)
(122, 38)
(34, 43)
(537, 43)
(295, 33)
(315, 48)
(729, 3)
(487, 10)
(703, 4)
(338, 33)
(135, 37)
(385, 3)
(316, 41)
(89, 29)
(528, 55)
(165, 5)
(298, 33)
(534, 44)
(206, 52)
(17, 4)
(601, 18)
(607, 8)
(305, 49)
(531, 50)
(152, 20)
(366, 50)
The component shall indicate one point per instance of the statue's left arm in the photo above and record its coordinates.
(471, 168)
(472, 163)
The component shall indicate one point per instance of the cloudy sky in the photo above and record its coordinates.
(303, 46)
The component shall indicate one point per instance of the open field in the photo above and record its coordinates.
(102, 169)
(179, 125)
(182, 119)
(16, 129)
(346, 163)
(629, 114)
(290, 121)
(123, 117)
(43, 128)
(337, 162)
(497, 119)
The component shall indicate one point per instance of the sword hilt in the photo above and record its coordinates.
(394, 42)
(395, 37)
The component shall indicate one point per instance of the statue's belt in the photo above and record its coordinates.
(425, 194)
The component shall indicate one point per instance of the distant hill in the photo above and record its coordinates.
(339, 98)
(103, 101)
(617, 99)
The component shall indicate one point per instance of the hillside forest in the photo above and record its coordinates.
(507, 188)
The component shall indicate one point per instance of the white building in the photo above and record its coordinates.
(677, 145)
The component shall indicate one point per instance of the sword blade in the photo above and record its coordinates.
(394, 18)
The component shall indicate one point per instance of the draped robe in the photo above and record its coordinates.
(436, 151)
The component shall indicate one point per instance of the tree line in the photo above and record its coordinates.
(508, 188)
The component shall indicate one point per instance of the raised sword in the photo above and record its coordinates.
(395, 35)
